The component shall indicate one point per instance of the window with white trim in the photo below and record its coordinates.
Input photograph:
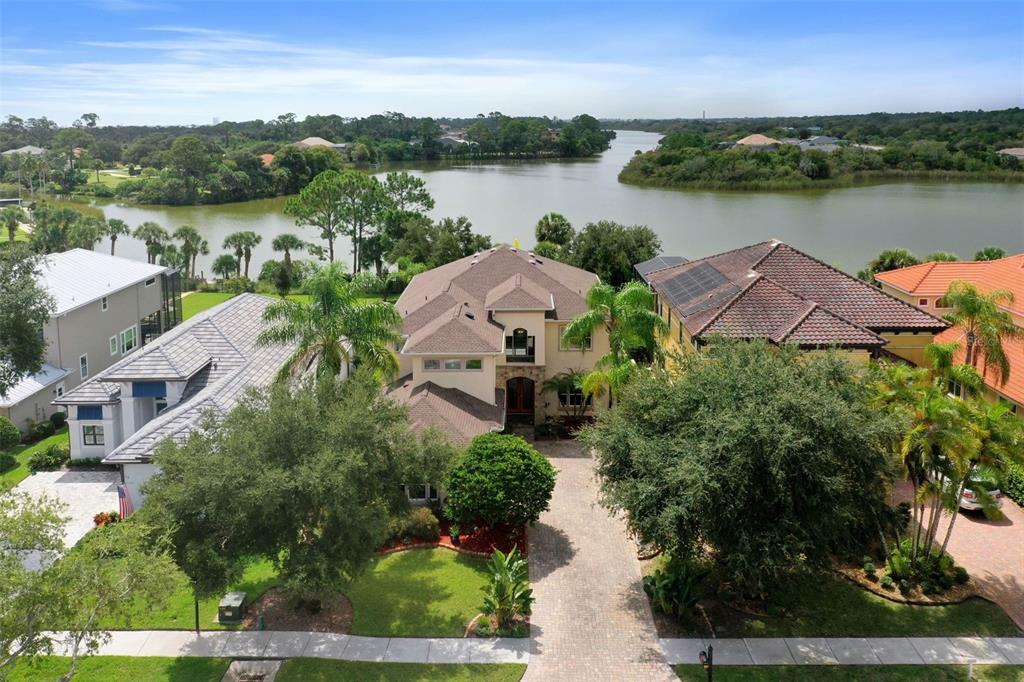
(113, 345)
(431, 364)
(129, 340)
(103, 304)
(422, 493)
(453, 364)
(92, 435)
(83, 365)
(1010, 404)
(562, 345)
(922, 303)
(59, 390)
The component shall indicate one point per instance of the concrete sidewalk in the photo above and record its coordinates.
(850, 650)
(281, 644)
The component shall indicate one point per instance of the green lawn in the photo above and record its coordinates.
(108, 178)
(853, 673)
(13, 477)
(319, 670)
(418, 593)
(110, 668)
(823, 605)
(198, 301)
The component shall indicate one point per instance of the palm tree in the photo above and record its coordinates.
(632, 325)
(334, 327)
(986, 325)
(116, 228)
(11, 217)
(990, 253)
(192, 244)
(242, 243)
(287, 243)
(890, 259)
(155, 238)
(225, 265)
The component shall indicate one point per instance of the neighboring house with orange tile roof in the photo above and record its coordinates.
(266, 159)
(926, 284)
(775, 292)
(483, 333)
(758, 141)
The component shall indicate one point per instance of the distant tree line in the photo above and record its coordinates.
(223, 162)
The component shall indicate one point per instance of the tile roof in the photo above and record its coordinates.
(458, 415)
(176, 360)
(933, 279)
(436, 302)
(1014, 349)
(771, 290)
(32, 384)
(757, 139)
(80, 276)
(226, 336)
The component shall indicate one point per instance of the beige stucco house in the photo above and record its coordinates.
(483, 333)
(106, 307)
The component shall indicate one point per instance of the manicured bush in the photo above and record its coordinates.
(420, 523)
(886, 582)
(58, 419)
(1014, 483)
(49, 458)
(499, 479)
(904, 587)
(9, 434)
(7, 462)
(869, 570)
(945, 581)
(960, 575)
(44, 429)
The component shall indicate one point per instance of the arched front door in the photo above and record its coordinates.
(519, 399)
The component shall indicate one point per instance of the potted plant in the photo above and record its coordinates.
(453, 533)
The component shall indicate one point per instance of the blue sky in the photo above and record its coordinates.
(168, 61)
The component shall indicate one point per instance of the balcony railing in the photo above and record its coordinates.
(520, 358)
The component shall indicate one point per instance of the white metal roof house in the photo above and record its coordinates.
(165, 389)
(106, 307)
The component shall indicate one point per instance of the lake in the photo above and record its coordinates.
(845, 227)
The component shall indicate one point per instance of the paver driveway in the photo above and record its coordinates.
(83, 494)
(591, 620)
(991, 551)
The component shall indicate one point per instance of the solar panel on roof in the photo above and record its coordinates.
(691, 283)
(659, 263)
(713, 301)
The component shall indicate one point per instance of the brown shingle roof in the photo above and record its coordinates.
(518, 279)
(458, 415)
(771, 290)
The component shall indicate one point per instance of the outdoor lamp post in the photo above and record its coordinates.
(707, 659)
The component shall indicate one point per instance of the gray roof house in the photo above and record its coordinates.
(106, 308)
(164, 390)
(28, 149)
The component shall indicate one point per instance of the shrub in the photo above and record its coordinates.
(106, 518)
(904, 587)
(49, 458)
(7, 462)
(945, 581)
(886, 582)
(58, 419)
(869, 569)
(899, 564)
(237, 285)
(960, 575)
(676, 587)
(44, 429)
(1013, 486)
(508, 595)
(499, 479)
(423, 524)
(9, 434)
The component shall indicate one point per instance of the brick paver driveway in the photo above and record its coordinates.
(991, 551)
(591, 620)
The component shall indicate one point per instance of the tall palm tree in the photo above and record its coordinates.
(116, 228)
(632, 325)
(11, 217)
(287, 243)
(243, 244)
(192, 244)
(224, 265)
(155, 238)
(335, 327)
(986, 325)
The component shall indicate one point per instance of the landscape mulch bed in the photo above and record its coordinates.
(480, 540)
(954, 595)
(335, 614)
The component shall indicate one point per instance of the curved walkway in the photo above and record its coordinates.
(591, 620)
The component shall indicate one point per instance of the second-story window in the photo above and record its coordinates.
(519, 347)
(92, 435)
(103, 303)
(83, 366)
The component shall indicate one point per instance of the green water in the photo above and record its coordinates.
(845, 227)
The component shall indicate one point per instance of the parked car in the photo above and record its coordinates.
(977, 487)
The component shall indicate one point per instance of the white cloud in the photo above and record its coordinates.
(189, 75)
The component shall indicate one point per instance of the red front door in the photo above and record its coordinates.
(519, 396)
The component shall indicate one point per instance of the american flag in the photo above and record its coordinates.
(124, 501)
